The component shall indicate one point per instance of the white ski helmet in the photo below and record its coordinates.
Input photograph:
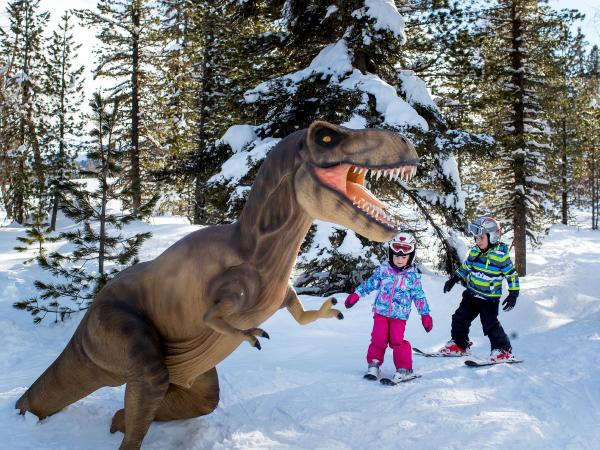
(402, 244)
(486, 225)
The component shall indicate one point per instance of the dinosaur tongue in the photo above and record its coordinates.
(349, 184)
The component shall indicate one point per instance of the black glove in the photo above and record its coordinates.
(510, 301)
(448, 285)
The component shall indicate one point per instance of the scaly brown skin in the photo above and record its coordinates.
(162, 326)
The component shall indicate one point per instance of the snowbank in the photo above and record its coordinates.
(305, 390)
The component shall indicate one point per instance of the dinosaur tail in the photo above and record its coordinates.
(69, 378)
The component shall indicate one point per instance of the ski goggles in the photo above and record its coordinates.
(402, 248)
(475, 230)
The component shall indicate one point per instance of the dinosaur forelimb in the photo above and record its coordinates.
(303, 317)
(215, 319)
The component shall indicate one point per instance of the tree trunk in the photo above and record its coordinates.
(519, 207)
(105, 158)
(564, 176)
(136, 190)
(19, 193)
(37, 153)
(594, 185)
(200, 216)
(27, 102)
(61, 136)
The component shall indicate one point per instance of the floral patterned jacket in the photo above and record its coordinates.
(397, 290)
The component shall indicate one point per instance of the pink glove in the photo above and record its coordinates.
(427, 322)
(351, 300)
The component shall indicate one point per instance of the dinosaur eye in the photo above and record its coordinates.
(327, 137)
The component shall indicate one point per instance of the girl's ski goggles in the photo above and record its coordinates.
(402, 248)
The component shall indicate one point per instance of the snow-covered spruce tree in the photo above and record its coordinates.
(9, 161)
(517, 39)
(98, 252)
(64, 92)
(564, 102)
(588, 164)
(37, 235)
(204, 75)
(345, 56)
(175, 98)
(22, 161)
(126, 31)
(444, 52)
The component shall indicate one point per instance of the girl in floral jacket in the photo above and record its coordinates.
(398, 285)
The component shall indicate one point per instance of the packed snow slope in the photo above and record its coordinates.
(305, 389)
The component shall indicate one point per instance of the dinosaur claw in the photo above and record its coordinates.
(257, 345)
(334, 301)
(265, 335)
(340, 316)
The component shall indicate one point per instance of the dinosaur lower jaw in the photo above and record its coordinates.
(349, 181)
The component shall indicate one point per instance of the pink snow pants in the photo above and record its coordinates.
(389, 331)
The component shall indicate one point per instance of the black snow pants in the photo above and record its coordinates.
(470, 307)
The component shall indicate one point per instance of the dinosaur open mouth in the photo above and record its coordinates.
(349, 180)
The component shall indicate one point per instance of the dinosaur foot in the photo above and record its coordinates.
(250, 336)
(118, 422)
(327, 310)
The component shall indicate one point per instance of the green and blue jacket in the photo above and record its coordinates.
(483, 271)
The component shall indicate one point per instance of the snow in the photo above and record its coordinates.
(330, 10)
(351, 245)
(334, 60)
(386, 16)
(415, 90)
(236, 167)
(356, 122)
(395, 110)
(238, 136)
(304, 389)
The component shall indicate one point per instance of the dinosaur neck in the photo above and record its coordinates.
(272, 223)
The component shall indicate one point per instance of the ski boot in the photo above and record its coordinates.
(452, 349)
(372, 370)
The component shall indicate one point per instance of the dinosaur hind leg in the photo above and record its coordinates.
(69, 378)
(181, 403)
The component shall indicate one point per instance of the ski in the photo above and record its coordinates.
(472, 363)
(370, 377)
(389, 382)
(416, 351)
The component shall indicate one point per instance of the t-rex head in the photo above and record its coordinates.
(330, 182)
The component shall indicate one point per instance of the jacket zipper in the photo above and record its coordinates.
(392, 296)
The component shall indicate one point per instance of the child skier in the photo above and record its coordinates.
(482, 272)
(398, 283)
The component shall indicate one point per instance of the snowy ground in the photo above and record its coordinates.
(305, 390)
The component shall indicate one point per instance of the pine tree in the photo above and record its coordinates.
(204, 71)
(37, 235)
(517, 40)
(343, 58)
(564, 103)
(127, 36)
(588, 163)
(98, 254)
(21, 49)
(64, 90)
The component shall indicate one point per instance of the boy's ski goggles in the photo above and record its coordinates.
(475, 230)
(402, 248)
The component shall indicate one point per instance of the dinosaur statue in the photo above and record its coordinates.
(162, 326)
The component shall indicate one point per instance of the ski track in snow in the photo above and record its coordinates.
(305, 390)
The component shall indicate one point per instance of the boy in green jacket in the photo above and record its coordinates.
(482, 272)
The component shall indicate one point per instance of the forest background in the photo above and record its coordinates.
(171, 105)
